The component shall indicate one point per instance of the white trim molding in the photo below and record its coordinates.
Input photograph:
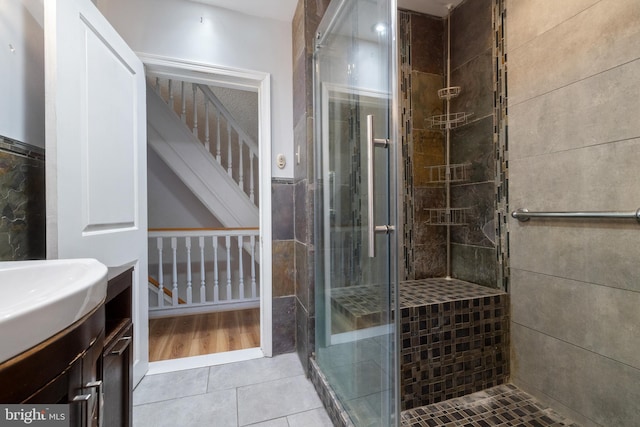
(256, 81)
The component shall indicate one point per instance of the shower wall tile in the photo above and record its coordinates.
(474, 264)
(540, 304)
(430, 259)
(304, 277)
(284, 325)
(282, 210)
(478, 200)
(22, 203)
(582, 114)
(424, 99)
(427, 198)
(471, 33)
(522, 29)
(427, 41)
(473, 144)
(584, 51)
(604, 254)
(597, 178)
(599, 389)
(303, 204)
(574, 145)
(283, 270)
(303, 337)
(475, 77)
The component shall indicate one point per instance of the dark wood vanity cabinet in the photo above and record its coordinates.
(117, 357)
(88, 365)
(65, 369)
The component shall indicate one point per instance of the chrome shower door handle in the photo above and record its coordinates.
(373, 142)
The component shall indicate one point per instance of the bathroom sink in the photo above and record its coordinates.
(41, 298)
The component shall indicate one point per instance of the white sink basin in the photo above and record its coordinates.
(41, 298)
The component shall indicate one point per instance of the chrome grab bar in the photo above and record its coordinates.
(524, 215)
(373, 142)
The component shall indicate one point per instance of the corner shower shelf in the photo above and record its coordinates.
(438, 174)
(448, 121)
(457, 216)
(449, 92)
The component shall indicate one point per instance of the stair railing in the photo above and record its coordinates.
(206, 270)
(207, 118)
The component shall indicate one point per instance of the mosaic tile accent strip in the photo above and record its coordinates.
(337, 414)
(501, 143)
(406, 269)
(504, 405)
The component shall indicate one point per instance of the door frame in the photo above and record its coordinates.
(254, 81)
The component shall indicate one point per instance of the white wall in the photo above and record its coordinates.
(22, 71)
(201, 33)
(170, 203)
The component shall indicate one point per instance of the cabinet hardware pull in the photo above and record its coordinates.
(83, 400)
(124, 344)
(99, 385)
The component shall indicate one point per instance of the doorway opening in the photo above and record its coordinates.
(208, 133)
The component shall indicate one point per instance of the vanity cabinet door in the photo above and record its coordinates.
(118, 378)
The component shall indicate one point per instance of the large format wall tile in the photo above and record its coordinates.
(600, 38)
(424, 98)
(475, 77)
(22, 207)
(602, 254)
(470, 30)
(543, 302)
(427, 39)
(601, 389)
(474, 264)
(589, 112)
(600, 177)
(549, 13)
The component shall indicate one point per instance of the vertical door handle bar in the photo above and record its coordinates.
(372, 142)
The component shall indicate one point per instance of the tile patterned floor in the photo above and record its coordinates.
(504, 405)
(269, 392)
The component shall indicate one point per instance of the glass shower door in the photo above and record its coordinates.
(356, 207)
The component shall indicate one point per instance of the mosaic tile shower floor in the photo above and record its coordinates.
(504, 405)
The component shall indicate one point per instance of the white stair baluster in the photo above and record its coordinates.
(203, 289)
(195, 109)
(183, 111)
(253, 266)
(206, 126)
(251, 189)
(174, 290)
(187, 244)
(228, 242)
(229, 157)
(160, 273)
(240, 164)
(170, 100)
(216, 292)
(240, 269)
(218, 157)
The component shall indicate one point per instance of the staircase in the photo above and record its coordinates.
(221, 188)
(198, 270)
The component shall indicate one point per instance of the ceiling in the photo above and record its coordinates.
(283, 10)
(430, 7)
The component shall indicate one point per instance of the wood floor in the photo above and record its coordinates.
(185, 336)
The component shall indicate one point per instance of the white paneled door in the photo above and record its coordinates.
(96, 149)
